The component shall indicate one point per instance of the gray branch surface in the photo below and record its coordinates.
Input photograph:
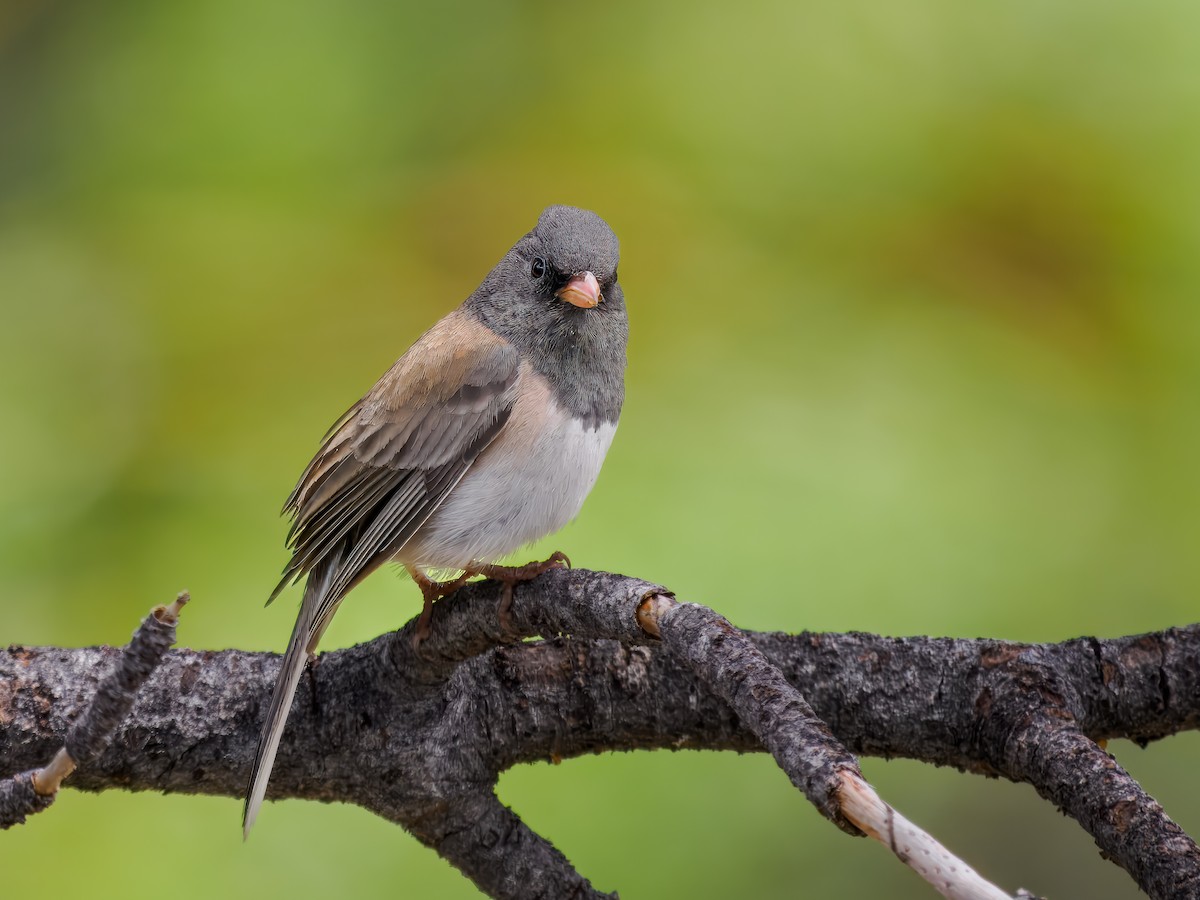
(420, 736)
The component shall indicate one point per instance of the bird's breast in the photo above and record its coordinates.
(528, 483)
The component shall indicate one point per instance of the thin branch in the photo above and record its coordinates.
(32, 792)
(729, 662)
(948, 874)
(488, 842)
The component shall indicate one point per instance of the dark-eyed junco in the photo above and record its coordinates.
(484, 437)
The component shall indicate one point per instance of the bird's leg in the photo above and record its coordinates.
(510, 575)
(432, 590)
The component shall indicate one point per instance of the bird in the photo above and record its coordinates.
(485, 436)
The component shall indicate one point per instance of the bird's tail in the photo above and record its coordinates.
(285, 689)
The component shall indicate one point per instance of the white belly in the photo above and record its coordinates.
(530, 482)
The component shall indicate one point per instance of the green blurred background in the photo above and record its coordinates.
(914, 350)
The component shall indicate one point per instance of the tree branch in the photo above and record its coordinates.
(420, 736)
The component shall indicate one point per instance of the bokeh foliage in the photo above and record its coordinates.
(915, 350)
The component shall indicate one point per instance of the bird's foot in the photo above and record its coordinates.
(511, 575)
(432, 591)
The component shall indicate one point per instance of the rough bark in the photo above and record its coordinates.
(420, 736)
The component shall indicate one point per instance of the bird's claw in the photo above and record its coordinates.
(509, 576)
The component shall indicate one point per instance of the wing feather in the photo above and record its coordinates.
(393, 457)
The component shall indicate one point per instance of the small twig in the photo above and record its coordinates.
(31, 792)
(914, 847)
(169, 614)
(47, 781)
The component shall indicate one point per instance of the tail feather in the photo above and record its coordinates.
(303, 636)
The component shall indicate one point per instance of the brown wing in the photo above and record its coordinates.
(391, 459)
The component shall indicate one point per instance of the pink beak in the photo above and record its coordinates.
(582, 290)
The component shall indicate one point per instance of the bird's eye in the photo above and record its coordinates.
(538, 269)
